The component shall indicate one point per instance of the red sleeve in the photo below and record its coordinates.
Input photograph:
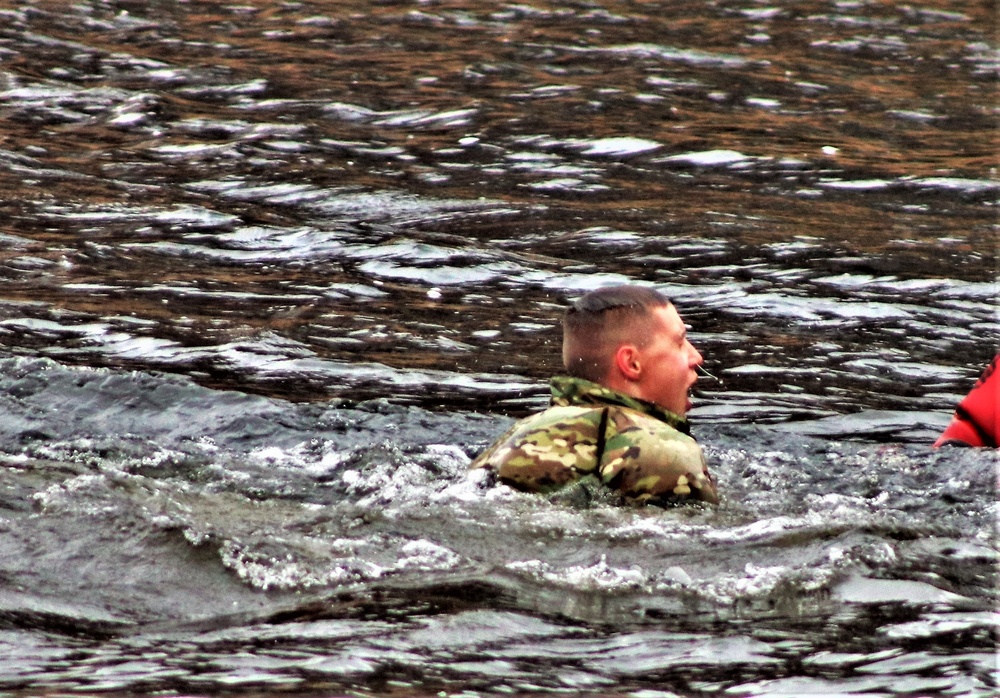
(975, 420)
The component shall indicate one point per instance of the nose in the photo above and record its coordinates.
(694, 356)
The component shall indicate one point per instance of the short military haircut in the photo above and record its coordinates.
(599, 322)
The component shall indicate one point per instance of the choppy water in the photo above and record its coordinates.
(272, 273)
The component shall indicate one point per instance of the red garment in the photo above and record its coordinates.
(975, 420)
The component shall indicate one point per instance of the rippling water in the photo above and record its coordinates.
(273, 272)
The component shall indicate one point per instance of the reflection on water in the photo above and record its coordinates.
(316, 200)
(375, 208)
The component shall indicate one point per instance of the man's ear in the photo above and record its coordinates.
(627, 362)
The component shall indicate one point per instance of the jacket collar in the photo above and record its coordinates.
(567, 391)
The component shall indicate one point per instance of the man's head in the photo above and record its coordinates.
(631, 339)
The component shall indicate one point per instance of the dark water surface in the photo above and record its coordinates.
(273, 271)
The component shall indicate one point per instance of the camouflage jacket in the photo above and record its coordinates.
(631, 445)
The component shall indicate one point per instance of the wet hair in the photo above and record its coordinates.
(597, 323)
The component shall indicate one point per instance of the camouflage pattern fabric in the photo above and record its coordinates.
(635, 447)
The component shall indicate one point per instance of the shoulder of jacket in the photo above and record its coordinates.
(553, 423)
(631, 423)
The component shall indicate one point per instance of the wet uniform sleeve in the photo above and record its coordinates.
(651, 462)
(547, 451)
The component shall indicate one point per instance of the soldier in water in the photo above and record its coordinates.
(619, 417)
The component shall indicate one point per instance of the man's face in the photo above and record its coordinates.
(669, 363)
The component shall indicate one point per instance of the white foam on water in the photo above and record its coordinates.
(181, 215)
(470, 488)
(440, 275)
(338, 629)
(574, 283)
(707, 158)
(922, 117)
(150, 348)
(937, 624)
(479, 630)
(109, 213)
(857, 184)
(913, 286)
(906, 370)
(759, 582)
(411, 251)
(933, 15)
(598, 576)
(398, 206)
(673, 83)
(619, 146)
(763, 102)
(64, 496)
(879, 44)
(264, 572)
(851, 281)
(296, 557)
(803, 244)
(267, 356)
(129, 120)
(205, 125)
(759, 530)
(762, 13)
(668, 53)
(532, 159)
(51, 327)
(814, 688)
(638, 527)
(38, 93)
(413, 118)
(566, 184)
(806, 308)
(763, 370)
(348, 112)
(646, 652)
(605, 236)
(194, 215)
(865, 590)
(252, 87)
(300, 242)
(344, 203)
(309, 249)
(14, 241)
(187, 150)
(968, 186)
(988, 291)
(546, 92)
(426, 555)
(356, 290)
